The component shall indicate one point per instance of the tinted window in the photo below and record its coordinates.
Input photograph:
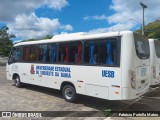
(142, 46)
(102, 52)
(75, 52)
(157, 47)
(91, 52)
(19, 53)
(63, 55)
(70, 52)
(16, 54)
(52, 53)
(43, 53)
(109, 52)
(30, 53)
(26, 51)
(33, 55)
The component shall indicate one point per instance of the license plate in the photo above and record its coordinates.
(143, 72)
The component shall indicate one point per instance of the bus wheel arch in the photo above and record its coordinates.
(68, 91)
(17, 81)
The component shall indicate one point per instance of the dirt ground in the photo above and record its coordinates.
(3, 60)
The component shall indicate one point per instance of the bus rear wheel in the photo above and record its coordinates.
(17, 82)
(69, 93)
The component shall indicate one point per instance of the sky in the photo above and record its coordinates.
(29, 19)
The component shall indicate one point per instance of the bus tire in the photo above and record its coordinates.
(17, 82)
(69, 93)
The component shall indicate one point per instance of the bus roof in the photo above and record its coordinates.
(74, 36)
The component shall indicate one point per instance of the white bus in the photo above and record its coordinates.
(112, 66)
(154, 61)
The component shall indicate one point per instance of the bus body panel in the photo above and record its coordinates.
(132, 64)
(158, 71)
(8, 72)
(113, 83)
(89, 82)
(154, 64)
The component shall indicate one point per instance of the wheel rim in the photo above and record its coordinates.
(16, 81)
(68, 93)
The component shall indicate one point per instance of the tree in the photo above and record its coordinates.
(33, 39)
(48, 37)
(5, 41)
(152, 30)
(29, 40)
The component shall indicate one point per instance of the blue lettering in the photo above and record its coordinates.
(66, 75)
(108, 73)
(59, 71)
(57, 74)
(37, 72)
(37, 67)
(104, 73)
(47, 73)
(62, 69)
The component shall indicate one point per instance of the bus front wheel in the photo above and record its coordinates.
(69, 93)
(17, 82)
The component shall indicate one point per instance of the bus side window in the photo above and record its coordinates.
(102, 52)
(43, 53)
(60, 53)
(26, 51)
(66, 58)
(91, 52)
(33, 56)
(109, 48)
(63, 52)
(109, 52)
(75, 52)
(79, 51)
(19, 53)
(52, 53)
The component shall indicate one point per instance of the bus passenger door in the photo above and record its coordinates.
(23, 72)
(11, 68)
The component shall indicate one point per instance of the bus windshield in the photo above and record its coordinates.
(157, 47)
(142, 46)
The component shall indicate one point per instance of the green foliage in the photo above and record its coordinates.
(48, 37)
(29, 40)
(5, 41)
(152, 30)
(108, 112)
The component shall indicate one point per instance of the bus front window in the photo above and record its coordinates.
(15, 55)
(12, 57)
